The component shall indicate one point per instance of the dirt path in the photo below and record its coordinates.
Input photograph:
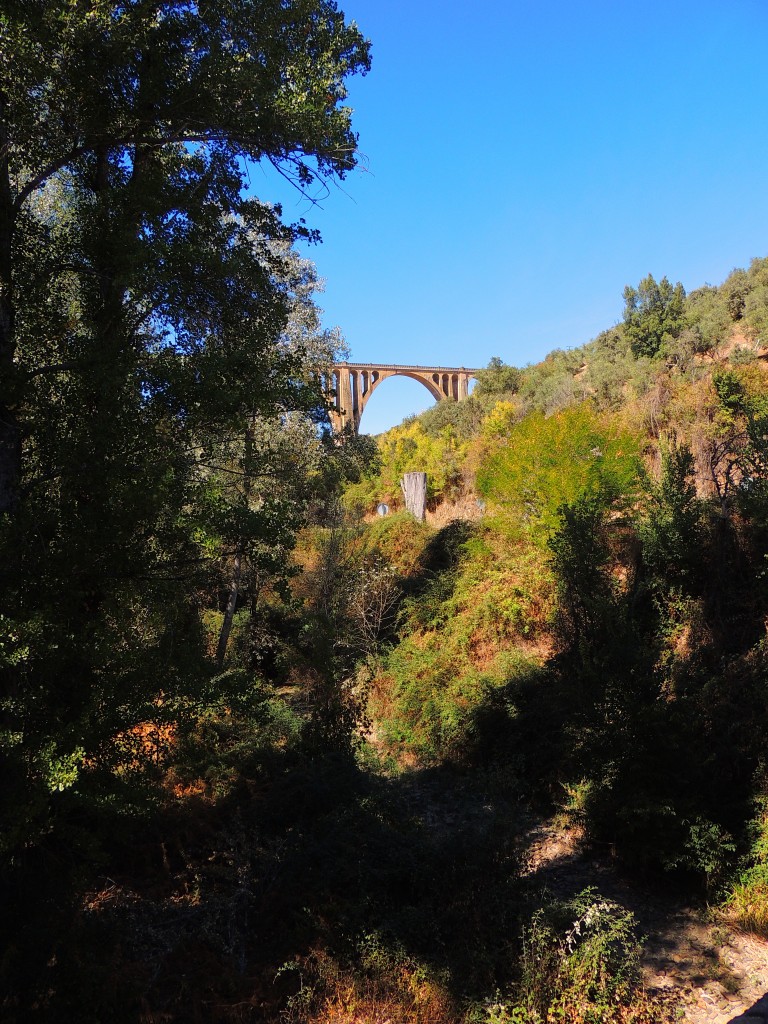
(708, 969)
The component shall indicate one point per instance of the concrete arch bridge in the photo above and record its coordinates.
(352, 384)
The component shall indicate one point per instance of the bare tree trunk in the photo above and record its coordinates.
(229, 614)
(237, 567)
(10, 435)
(414, 487)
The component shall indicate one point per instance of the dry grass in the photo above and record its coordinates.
(148, 743)
(382, 989)
(748, 905)
(446, 512)
(372, 1005)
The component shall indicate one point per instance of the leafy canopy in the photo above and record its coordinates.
(653, 314)
(149, 309)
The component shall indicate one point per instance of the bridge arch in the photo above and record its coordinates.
(352, 384)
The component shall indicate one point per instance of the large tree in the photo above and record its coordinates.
(146, 304)
(654, 313)
(146, 111)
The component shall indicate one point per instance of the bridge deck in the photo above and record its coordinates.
(402, 366)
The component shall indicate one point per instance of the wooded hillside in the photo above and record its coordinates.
(267, 756)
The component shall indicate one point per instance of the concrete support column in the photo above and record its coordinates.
(345, 396)
(359, 399)
(354, 389)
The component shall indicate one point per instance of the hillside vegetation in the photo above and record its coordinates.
(598, 632)
(322, 812)
(265, 756)
(604, 622)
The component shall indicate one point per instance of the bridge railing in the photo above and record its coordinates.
(403, 366)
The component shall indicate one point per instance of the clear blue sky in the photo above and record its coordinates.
(524, 161)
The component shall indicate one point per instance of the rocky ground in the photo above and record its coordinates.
(711, 972)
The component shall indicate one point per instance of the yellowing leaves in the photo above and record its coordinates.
(546, 462)
(501, 419)
(409, 448)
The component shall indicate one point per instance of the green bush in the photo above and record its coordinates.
(748, 898)
(482, 596)
(580, 963)
(397, 539)
(654, 313)
(412, 448)
(431, 692)
(547, 462)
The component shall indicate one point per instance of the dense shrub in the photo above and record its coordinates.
(471, 623)
(547, 462)
(580, 963)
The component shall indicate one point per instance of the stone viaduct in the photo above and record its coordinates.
(352, 384)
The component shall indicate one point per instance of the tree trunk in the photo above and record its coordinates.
(414, 487)
(10, 435)
(237, 568)
(229, 614)
(10, 455)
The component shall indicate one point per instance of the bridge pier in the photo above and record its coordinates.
(352, 384)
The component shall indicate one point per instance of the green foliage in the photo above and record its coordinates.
(555, 383)
(612, 369)
(433, 696)
(707, 849)
(735, 288)
(747, 898)
(580, 963)
(397, 539)
(645, 624)
(347, 471)
(157, 334)
(654, 314)
(738, 454)
(479, 601)
(412, 448)
(548, 462)
(710, 316)
(462, 418)
(672, 528)
(241, 722)
(755, 299)
(580, 558)
(498, 379)
(160, 357)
